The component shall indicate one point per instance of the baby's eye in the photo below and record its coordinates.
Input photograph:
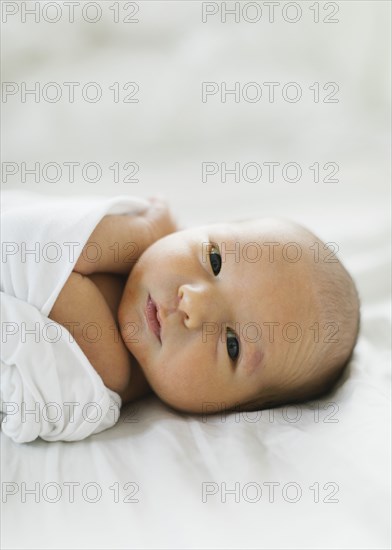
(232, 344)
(215, 260)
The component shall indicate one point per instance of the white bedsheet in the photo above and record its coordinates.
(327, 461)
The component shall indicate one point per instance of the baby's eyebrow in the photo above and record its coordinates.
(230, 250)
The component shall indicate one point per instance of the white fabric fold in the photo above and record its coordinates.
(49, 389)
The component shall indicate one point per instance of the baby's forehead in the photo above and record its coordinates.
(257, 230)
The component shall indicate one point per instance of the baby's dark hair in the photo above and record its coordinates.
(337, 305)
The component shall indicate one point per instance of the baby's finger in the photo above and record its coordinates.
(157, 199)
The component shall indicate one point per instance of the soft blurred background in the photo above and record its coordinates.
(169, 52)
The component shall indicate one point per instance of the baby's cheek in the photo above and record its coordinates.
(123, 306)
(163, 384)
(255, 363)
(129, 333)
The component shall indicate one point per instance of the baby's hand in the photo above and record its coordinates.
(121, 239)
(160, 219)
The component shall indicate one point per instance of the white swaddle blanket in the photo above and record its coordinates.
(49, 389)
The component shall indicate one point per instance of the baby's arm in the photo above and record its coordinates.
(119, 240)
(81, 308)
(86, 306)
(92, 293)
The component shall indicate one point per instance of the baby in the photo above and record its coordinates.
(244, 315)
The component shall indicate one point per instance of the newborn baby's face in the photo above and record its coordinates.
(223, 305)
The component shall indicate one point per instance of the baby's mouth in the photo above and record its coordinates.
(152, 317)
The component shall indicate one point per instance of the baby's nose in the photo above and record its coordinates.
(198, 304)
